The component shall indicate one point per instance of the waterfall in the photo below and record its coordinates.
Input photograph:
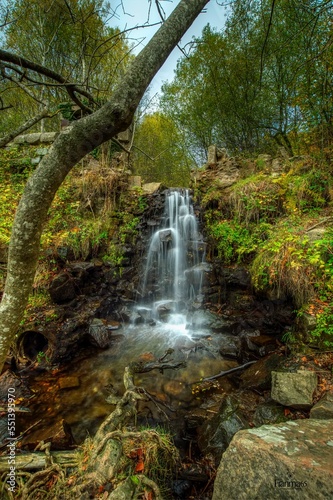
(173, 273)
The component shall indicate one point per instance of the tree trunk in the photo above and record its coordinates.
(68, 149)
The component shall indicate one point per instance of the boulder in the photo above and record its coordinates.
(230, 346)
(99, 334)
(264, 161)
(62, 288)
(294, 389)
(289, 460)
(258, 376)
(277, 167)
(212, 154)
(324, 408)
(205, 319)
(268, 413)
(215, 434)
(227, 175)
(151, 187)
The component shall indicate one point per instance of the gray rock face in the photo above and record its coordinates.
(289, 460)
(294, 389)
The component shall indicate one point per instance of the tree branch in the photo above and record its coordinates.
(28, 124)
(42, 70)
(227, 372)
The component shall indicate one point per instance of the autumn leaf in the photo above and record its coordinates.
(139, 467)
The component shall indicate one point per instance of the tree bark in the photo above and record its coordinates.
(68, 149)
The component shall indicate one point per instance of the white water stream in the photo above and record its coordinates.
(173, 274)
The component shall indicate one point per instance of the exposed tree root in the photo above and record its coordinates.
(115, 450)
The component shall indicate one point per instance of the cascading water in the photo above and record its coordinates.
(173, 273)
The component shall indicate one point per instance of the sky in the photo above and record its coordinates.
(135, 13)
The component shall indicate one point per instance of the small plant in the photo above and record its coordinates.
(42, 357)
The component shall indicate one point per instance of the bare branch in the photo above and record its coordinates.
(227, 372)
(43, 70)
(28, 124)
(265, 41)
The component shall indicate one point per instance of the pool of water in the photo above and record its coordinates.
(101, 372)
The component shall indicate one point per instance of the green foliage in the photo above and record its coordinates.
(234, 241)
(160, 154)
(294, 265)
(244, 88)
(305, 192)
(322, 335)
(256, 199)
(15, 167)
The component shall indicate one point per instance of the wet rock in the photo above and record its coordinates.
(68, 382)
(195, 418)
(294, 389)
(205, 319)
(259, 375)
(181, 487)
(58, 434)
(17, 387)
(261, 344)
(216, 433)
(237, 277)
(230, 346)
(268, 413)
(289, 460)
(324, 408)
(99, 334)
(62, 288)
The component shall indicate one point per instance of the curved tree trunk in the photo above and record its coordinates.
(70, 147)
